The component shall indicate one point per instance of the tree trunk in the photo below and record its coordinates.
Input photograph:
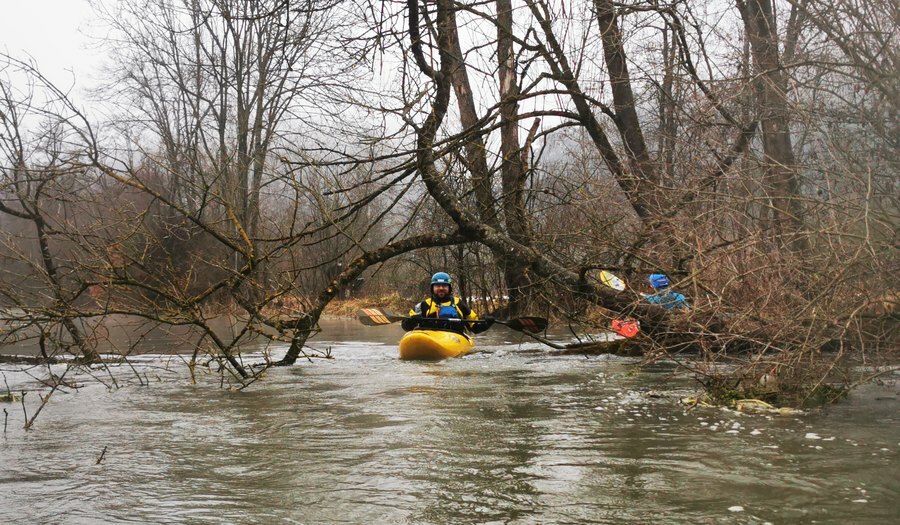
(778, 154)
(556, 59)
(476, 156)
(668, 124)
(513, 172)
(623, 97)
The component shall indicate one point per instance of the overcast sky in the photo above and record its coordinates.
(54, 33)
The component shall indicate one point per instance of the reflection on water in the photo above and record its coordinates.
(506, 435)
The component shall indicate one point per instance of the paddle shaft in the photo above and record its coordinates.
(380, 316)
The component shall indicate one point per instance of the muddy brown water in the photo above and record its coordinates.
(505, 435)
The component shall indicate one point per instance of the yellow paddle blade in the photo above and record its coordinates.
(611, 280)
(377, 316)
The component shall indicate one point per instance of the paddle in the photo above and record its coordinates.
(623, 327)
(380, 316)
(611, 280)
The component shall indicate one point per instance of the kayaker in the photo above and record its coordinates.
(665, 296)
(436, 311)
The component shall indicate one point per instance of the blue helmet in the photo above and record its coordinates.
(658, 280)
(441, 278)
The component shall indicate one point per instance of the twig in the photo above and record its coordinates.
(545, 341)
(24, 411)
(44, 400)
(102, 454)
(874, 375)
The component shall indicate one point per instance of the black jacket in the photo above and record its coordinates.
(425, 315)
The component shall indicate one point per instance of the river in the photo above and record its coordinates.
(508, 435)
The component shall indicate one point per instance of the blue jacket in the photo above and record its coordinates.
(668, 299)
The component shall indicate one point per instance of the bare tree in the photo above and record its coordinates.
(546, 164)
(217, 82)
(36, 173)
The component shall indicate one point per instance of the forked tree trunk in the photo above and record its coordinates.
(512, 169)
(778, 153)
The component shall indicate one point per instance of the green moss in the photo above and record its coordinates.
(824, 394)
(9, 397)
(726, 390)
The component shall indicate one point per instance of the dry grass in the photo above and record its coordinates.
(349, 307)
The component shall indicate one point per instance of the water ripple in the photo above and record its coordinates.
(503, 437)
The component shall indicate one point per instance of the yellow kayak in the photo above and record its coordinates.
(434, 344)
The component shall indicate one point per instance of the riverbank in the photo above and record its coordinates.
(347, 308)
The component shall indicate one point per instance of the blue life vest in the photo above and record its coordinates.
(448, 312)
(668, 299)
